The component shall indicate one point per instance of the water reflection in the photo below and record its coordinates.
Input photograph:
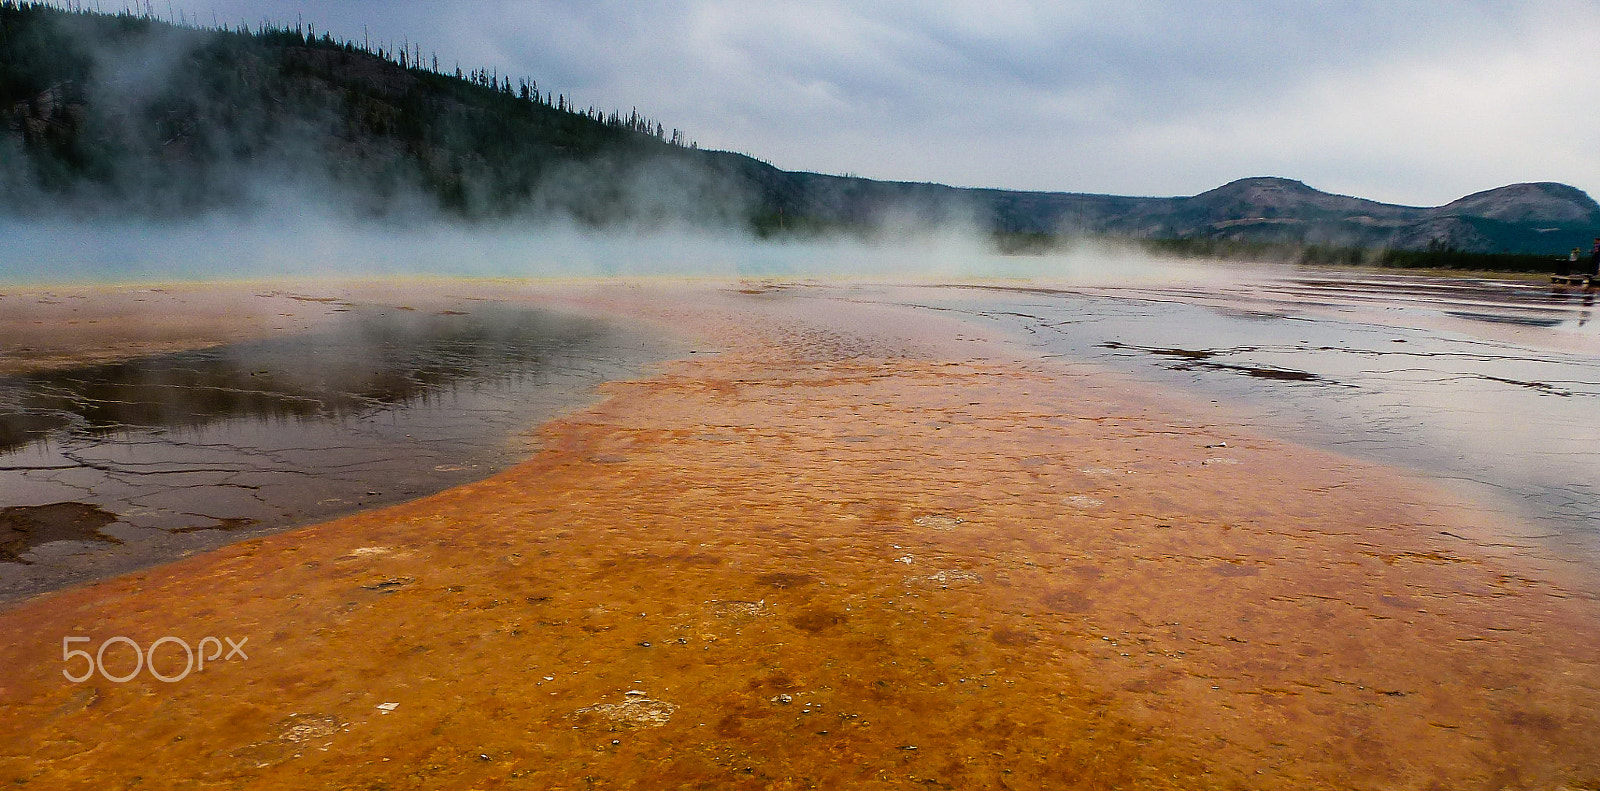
(1202, 358)
(1514, 421)
(377, 358)
(183, 448)
(1502, 318)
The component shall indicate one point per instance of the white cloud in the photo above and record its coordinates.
(1414, 102)
(1422, 128)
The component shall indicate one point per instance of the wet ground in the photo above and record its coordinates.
(866, 546)
(1490, 385)
(110, 466)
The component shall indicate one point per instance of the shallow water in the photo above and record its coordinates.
(1392, 369)
(114, 466)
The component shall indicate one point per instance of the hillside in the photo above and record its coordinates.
(128, 116)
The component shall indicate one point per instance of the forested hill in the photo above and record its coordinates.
(129, 116)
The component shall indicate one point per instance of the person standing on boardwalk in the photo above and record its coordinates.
(1594, 259)
(1564, 268)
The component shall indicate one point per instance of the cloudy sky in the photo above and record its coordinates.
(1416, 101)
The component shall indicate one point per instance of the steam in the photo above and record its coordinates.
(316, 246)
(277, 195)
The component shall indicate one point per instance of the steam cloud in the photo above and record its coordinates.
(264, 194)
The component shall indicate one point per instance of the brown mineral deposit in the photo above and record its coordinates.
(847, 551)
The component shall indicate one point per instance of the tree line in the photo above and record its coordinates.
(407, 55)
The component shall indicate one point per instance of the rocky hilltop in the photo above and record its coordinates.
(125, 115)
(1532, 218)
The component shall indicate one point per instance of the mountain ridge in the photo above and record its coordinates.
(125, 115)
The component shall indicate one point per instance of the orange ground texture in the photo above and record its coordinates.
(860, 547)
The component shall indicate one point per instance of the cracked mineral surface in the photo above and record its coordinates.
(851, 551)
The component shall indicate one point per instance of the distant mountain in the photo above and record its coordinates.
(124, 115)
(1527, 218)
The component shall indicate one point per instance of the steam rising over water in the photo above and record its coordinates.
(226, 248)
